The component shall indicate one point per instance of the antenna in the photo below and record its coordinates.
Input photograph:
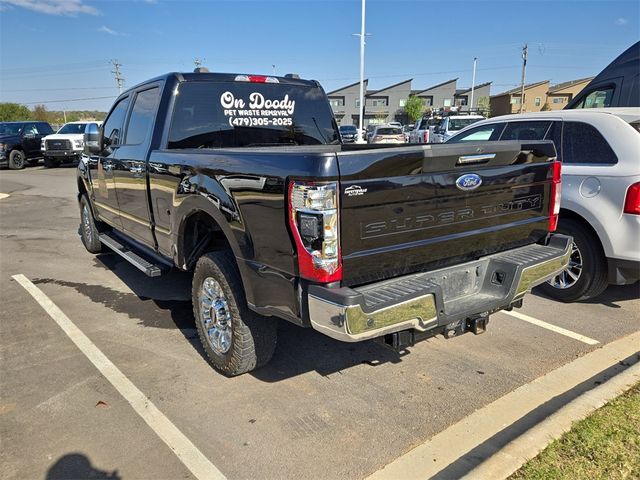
(117, 74)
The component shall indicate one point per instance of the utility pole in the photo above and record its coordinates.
(117, 74)
(525, 51)
(362, 36)
(473, 82)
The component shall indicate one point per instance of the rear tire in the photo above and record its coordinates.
(235, 339)
(88, 229)
(17, 160)
(51, 163)
(587, 262)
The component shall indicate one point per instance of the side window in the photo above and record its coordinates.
(30, 129)
(582, 143)
(112, 127)
(142, 114)
(482, 133)
(534, 130)
(598, 98)
(44, 129)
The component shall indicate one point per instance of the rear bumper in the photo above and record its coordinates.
(441, 298)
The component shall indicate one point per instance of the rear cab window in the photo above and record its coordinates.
(245, 114)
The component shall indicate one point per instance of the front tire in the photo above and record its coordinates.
(17, 160)
(235, 339)
(88, 229)
(586, 277)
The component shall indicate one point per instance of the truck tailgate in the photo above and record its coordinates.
(416, 208)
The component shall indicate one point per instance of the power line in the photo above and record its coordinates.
(118, 76)
(69, 100)
(58, 89)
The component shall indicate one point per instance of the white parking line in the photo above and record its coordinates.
(553, 328)
(3, 195)
(184, 449)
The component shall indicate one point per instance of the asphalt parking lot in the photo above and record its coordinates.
(320, 409)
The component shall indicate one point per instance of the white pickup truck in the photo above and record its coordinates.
(64, 145)
(451, 125)
(423, 129)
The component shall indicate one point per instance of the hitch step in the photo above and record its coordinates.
(130, 256)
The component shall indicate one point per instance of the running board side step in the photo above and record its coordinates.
(148, 268)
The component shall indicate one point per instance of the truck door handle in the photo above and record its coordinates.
(469, 159)
(136, 170)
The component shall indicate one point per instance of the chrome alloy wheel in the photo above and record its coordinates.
(215, 316)
(86, 223)
(568, 277)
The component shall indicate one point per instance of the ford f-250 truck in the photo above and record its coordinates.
(242, 180)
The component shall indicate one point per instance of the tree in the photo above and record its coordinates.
(414, 107)
(546, 107)
(40, 113)
(484, 105)
(12, 112)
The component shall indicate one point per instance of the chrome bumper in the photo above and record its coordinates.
(425, 301)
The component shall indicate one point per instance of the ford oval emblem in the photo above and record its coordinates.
(470, 181)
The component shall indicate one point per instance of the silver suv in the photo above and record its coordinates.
(600, 206)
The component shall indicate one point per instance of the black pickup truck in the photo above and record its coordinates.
(243, 180)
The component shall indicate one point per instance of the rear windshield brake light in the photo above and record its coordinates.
(256, 79)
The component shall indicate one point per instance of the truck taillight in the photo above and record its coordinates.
(313, 219)
(425, 136)
(632, 200)
(556, 193)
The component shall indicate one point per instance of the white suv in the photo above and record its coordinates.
(600, 206)
(66, 144)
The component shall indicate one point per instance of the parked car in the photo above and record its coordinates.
(350, 241)
(387, 134)
(600, 209)
(370, 128)
(348, 133)
(64, 145)
(423, 129)
(20, 143)
(618, 85)
(451, 125)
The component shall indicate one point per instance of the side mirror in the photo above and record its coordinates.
(92, 139)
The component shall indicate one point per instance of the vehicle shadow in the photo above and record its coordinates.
(74, 466)
(165, 302)
(610, 297)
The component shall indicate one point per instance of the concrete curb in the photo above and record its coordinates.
(497, 439)
(515, 454)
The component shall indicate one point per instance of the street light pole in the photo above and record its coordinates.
(473, 82)
(362, 37)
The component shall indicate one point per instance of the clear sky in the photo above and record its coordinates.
(60, 49)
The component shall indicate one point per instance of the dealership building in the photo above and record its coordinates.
(387, 104)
